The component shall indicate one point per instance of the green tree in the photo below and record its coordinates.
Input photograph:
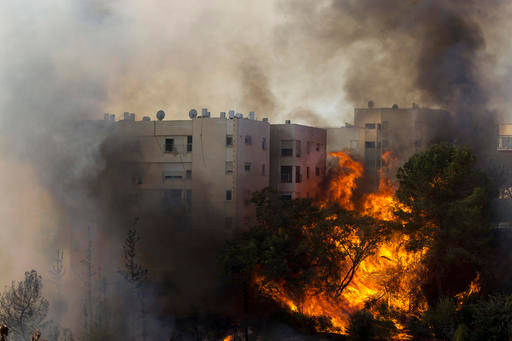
(449, 213)
(22, 306)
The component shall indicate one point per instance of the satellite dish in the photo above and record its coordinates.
(160, 115)
(192, 113)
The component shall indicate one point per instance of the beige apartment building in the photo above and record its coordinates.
(297, 159)
(402, 131)
(202, 170)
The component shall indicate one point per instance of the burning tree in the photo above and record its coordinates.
(22, 307)
(300, 249)
(392, 256)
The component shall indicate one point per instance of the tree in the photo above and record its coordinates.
(22, 306)
(57, 272)
(298, 246)
(135, 273)
(448, 213)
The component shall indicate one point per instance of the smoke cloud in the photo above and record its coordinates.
(64, 62)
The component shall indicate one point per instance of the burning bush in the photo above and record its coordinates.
(383, 254)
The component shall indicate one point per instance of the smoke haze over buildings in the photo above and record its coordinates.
(310, 61)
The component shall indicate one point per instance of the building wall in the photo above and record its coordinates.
(402, 131)
(253, 140)
(192, 178)
(308, 146)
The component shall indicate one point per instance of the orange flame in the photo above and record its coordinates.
(389, 275)
(344, 183)
(474, 288)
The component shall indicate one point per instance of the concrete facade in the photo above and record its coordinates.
(402, 131)
(297, 159)
(204, 169)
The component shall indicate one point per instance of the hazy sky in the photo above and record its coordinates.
(275, 57)
(141, 56)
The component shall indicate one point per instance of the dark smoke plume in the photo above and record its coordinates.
(65, 62)
(430, 52)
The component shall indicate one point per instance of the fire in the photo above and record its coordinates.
(474, 287)
(388, 275)
(228, 338)
(344, 183)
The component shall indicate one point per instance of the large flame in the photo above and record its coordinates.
(388, 276)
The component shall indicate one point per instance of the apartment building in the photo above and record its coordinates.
(201, 170)
(402, 131)
(297, 159)
(346, 139)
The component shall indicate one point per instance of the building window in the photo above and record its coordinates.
(297, 148)
(298, 175)
(286, 151)
(286, 196)
(137, 180)
(229, 167)
(229, 140)
(188, 196)
(169, 145)
(189, 174)
(248, 139)
(263, 143)
(247, 167)
(369, 126)
(286, 147)
(228, 222)
(172, 196)
(318, 147)
(170, 175)
(317, 171)
(370, 164)
(286, 174)
(228, 195)
(247, 220)
(505, 143)
(263, 169)
(189, 143)
(307, 172)
(369, 144)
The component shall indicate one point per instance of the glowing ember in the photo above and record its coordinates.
(388, 276)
